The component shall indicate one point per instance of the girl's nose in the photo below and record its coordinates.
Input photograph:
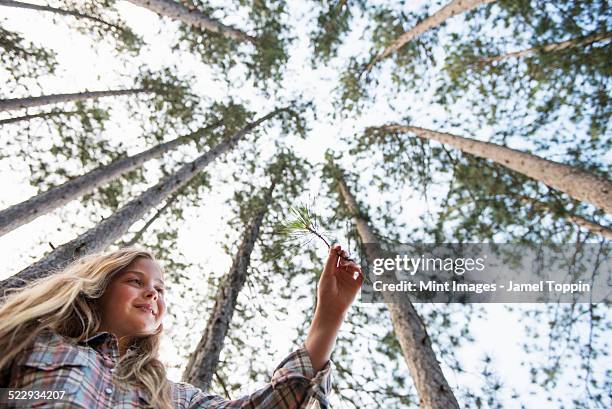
(151, 293)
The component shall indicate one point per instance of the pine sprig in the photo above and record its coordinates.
(305, 226)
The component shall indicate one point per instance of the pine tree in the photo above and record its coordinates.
(549, 48)
(92, 18)
(205, 358)
(40, 115)
(412, 51)
(192, 16)
(546, 66)
(75, 130)
(30, 102)
(23, 60)
(333, 23)
(39, 205)
(431, 385)
(112, 228)
(164, 209)
(485, 197)
(487, 202)
(577, 183)
(263, 58)
(449, 10)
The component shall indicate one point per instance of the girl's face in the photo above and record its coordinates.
(133, 302)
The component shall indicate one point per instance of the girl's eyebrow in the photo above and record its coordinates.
(140, 273)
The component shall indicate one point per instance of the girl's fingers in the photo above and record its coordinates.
(343, 257)
(354, 271)
(351, 266)
(332, 258)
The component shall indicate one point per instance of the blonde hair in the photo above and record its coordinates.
(66, 303)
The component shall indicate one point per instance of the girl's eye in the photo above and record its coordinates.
(160, 290)
(134, 280)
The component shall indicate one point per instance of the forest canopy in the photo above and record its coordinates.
(194, 128)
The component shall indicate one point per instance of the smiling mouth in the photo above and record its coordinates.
(147, 310)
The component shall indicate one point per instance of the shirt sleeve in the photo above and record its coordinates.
(294, 385)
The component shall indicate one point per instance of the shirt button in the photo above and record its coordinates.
(108, 391)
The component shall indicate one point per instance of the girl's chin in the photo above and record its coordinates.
(144, 327)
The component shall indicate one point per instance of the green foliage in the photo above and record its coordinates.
(303, 227)
(333, 24)
(273, 39)
(403, 160)
(231, 116)
(412, 64)
(23, 60)
(107, 24)
(295, 118)
(75, 145)
(214, 49)
(570, 84)
(171, 106)
(352, 88)
(264, 59)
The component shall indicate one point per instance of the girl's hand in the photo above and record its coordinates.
(338, 285)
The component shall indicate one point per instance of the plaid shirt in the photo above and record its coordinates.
(84, 371)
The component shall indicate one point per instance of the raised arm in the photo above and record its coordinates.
(303, 377)
(336, 291)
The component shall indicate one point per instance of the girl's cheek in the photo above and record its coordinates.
(161, 306)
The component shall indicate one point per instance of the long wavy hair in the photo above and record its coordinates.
(67, 303)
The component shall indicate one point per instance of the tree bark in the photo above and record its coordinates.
(431, 385)
(38, 115)
(192, 17)
(30, 102)
(446, 12)
(577, 183)
(109, 230)
(149, 222)
(22, 5)
(578, 220)
(205, 358)
(43, 203)
(547, 48)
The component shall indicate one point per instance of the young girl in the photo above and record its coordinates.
(89, 336)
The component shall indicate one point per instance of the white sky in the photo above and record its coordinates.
(82, 66)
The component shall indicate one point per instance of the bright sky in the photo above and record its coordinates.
(498, 333)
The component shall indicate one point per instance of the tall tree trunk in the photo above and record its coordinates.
(30, 102)
(547, 48)
(431, 385)
(149, 222)
(446, 12)
(577, 183)
(109, 230)
(192, 17)
(578, 220)
(22, 5)
(205, 358)
(38, 115)
(43, 203)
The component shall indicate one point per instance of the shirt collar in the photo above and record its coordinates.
(104, 342)
(98, 338)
